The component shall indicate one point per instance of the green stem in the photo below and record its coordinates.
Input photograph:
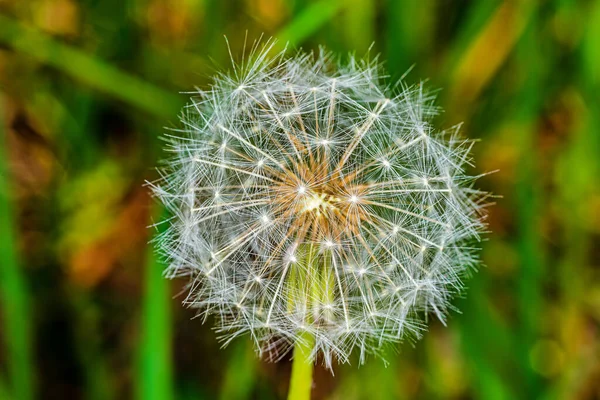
(302, 368)
(308, 280)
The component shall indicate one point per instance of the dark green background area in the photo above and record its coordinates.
(86, 89)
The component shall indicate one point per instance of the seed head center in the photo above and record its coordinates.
(319, 202)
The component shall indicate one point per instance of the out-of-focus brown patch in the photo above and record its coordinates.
(500, 152)
(31, 158)
(59, 17)
(323, 383)
(269, 12)
(561, 120)
(3, 61)
(412, 381)
(171, 22)
(447, 369)
(593, 205)
(93, 262)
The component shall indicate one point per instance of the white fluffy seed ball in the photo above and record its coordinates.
(308, 196)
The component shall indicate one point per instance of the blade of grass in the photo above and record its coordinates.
(88, 69)
(3, 391)
(486, 342)
(155, 351)
(477, 16)
(99, 384)
(358, 13)
(407, 42)
(308, 21)
(240, 375)
(591, 49)
(478, 64)
(17, 329)
(529, 201)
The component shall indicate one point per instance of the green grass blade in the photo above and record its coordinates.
(4, 395)
(407, 42)
(477, 16)
(99, 384)
(88, 69)
(155, 352)
(240, 375)
(480, 327)
(308, 21)
(359, 13)
(529, 201)
(16, 324)
(591, 47)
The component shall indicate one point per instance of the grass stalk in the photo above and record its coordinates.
(16, 316)
(155, 373)
(308, 21)
(302, 368)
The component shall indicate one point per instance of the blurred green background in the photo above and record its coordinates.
(86, 88)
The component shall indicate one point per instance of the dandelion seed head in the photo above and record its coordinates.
(308, 171)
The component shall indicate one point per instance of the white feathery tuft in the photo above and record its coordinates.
(289, 155)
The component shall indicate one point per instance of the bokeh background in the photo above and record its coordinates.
(86, 88)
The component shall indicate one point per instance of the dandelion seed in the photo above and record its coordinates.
(299, 152)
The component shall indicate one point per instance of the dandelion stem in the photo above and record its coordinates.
(302, 368)
(302, 365)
